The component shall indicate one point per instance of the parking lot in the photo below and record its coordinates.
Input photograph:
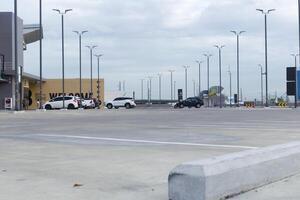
(124, 154)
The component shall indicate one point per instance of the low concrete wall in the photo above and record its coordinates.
(232, 174)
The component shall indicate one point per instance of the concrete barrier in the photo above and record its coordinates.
(227, 176)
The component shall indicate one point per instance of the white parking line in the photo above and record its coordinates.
(146, 141)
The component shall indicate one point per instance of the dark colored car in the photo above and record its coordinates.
(190, 102)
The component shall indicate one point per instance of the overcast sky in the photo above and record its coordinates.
(140, 38)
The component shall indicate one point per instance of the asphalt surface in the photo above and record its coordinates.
(125, 154)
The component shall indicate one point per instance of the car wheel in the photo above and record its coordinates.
(71, 107)
(127, 106)
(198, 105)
(48, 107)
(116, 107)
(109, 106)
(181, 106)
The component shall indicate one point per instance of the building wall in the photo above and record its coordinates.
(7, 49)
(53, 88)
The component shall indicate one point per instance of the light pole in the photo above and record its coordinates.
(194, 87)
(230, 86)
(238, 34)
(91, 48)
(16, 56)
(159, 85)
(172, 71)
(150, 88)
(220, 47)
(174, 89)
(80, 33)
(142, 89)
(41, 56)
(98, 56)
(261, 84)
(186, 80)
(265, 13)
(208, 61)
(296, 92)
(62, 13)
(199, 63)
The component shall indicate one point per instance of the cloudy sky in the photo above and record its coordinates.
(141, 38)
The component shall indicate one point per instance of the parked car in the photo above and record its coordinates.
(88, 103)
(71, 102)
(190, 102)
(121, 102)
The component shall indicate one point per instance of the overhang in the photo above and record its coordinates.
(32, 33)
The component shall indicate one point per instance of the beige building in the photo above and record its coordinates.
(53, 88)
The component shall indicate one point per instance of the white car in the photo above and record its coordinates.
(121, 102)
(71, 102)
(88, 103)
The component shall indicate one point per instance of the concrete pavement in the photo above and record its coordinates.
(106, 151)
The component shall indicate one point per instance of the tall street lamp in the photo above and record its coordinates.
(261, 84)
(80, 33)
(98, 56)
(265, 13)
(17, 105)
(62, 13)
(238, 34)
(220, 47)
(199, 88)
(159, 85)
(41, 56)
(172, 71)
(230, 86)
(186, 80)
(142, 89)
(91, 48)
(194, 87)
(150, 88)
(174, 89)
(208, 86)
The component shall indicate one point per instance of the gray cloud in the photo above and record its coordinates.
(142, 38)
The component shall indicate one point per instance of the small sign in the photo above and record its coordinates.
(8, 103)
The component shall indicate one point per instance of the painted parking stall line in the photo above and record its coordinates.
(146, 141)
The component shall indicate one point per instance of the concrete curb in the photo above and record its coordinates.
(233, 174)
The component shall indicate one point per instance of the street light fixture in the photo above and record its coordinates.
(199, 88)
(186, 81)
(80, 33)
(220, 47)
(238, 34)
(98, 56)
(62, 13)
(208, 62)
(265, 13)
(91, 48)
(172, 71)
